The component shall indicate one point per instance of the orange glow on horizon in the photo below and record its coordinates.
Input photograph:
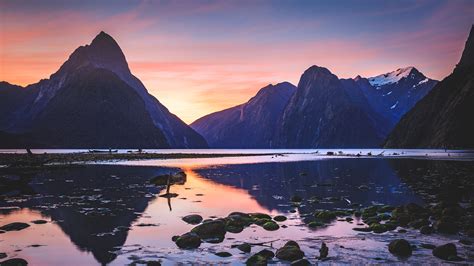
(205, 58)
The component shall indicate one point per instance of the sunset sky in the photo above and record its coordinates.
(197, 57)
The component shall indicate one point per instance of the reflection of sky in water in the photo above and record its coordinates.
(124, 199)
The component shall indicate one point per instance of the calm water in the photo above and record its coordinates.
(97, 213)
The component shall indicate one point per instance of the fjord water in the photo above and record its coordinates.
(111, 214)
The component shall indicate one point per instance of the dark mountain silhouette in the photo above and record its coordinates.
(444, 118)
(323, 113)
(249, 125)
(92, 101)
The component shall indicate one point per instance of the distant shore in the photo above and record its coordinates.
(41, 160)
(24, 160)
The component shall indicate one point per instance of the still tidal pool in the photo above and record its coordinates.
(111, 214)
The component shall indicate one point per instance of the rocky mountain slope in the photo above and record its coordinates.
(444, 118)
(92, 101)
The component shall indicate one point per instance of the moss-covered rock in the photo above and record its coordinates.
(245, 247)
(400, 247)
(446, 252)
(188, 241)
(192, 219)
(271, 226)
(290, 252)
(325, 216)
(279, 218)
(212, 231)
(223, 254)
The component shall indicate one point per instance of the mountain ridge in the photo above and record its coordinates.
(102, 55)
(443, 118)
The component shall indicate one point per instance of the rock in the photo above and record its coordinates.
(14, 227)
(188, 241)
(211, 231)
(419, 223)
(400, 247)
(325, 216)
(428, 246)
(300, 262)
(290, 252)
(296, 199)
(445, 251)
(260, 216)
(266, 253)
(465, 241)
(378, 228)
(39, 221)
(238, 219)
(257, 260)
(323, 251)
(169, 195)
(146, 225)
(292, 243)
(279, 218)
(223, 254)
(245, 247)
(153, 263)
(315, 224)
(2, 255)
(386, 208)
(271, 226)
(426, 230)
(192, 219)
(446, 227)
(233, 228)
(362, 229)
(14, 262)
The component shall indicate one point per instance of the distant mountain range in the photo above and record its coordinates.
(249, 125)
(322, 112)
(445, 117)
(92, 101)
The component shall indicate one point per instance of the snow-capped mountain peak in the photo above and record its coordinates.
(394, 76)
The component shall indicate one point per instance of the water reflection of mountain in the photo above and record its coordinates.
(448, 180)
(93, 205)
(273, 184)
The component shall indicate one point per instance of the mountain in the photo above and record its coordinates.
(92, 101)
(395, 93)
(444, 117)
(249, 125)
(324, 112)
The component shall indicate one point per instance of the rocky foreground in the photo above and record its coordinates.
(449, 211)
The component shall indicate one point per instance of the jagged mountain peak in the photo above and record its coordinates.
(317, 75)
(102, 52)
(467, 57)
(315, 70)
(270, 88)
(396, 76)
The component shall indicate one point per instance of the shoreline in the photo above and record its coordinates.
(23, 160)
(39, 160)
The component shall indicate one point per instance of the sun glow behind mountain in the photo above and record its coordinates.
(201, 57)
